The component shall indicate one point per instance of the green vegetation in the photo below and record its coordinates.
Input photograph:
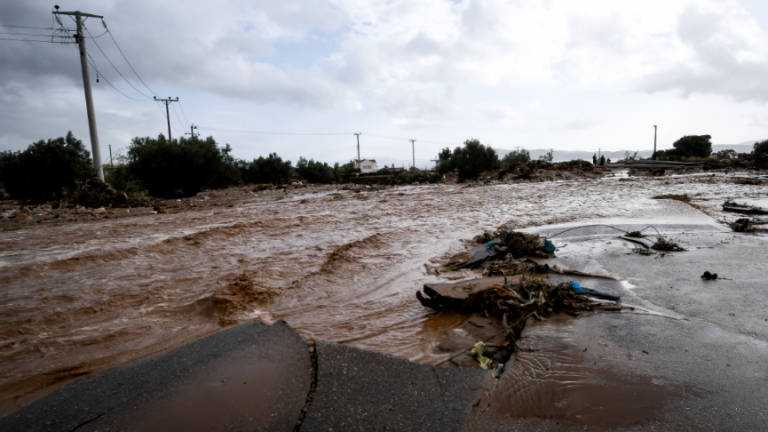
(45, 168)
(314, 172)
(469, 161)
(725, 154)
(760, 149)
(518, 155)
(271, 169)
(690, 146)
(182, 167)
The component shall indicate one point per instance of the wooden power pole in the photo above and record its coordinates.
(654, 142)
(97, 169)
(167, 113)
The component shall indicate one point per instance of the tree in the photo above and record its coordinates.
(271, 169)
(760, 149)
(518, 155)
(40, 172)
(698, 146)
(314, 172)
(471, 160)
(188, 165)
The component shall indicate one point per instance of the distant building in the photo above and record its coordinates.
(366, 165)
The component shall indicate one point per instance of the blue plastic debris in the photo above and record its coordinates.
(576, 287)
(548, 247)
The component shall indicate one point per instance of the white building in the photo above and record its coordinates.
(366, 165)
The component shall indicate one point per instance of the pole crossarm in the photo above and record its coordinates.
(167, 113)
(81, 14)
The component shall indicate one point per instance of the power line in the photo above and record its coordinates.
(36, 40)
(25, 27)
(275, 133)
(92, 62)
(126, 58)
(36, 35)
(182, 111)
(177, 117)
(113, 66)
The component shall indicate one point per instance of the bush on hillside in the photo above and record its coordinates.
(185, 166)
(45, 168)
(760, 149)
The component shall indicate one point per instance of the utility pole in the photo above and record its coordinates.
(654, 142)
(167, 113)
(111, 162)
(413, 146)
(358, 144)
(97, 169)
(192, 131)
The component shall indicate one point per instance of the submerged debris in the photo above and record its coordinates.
(634, 234)
(516, 244)
(743, 208)
(747, 225)
(709, 276)
(529, 297)
(667, 246)
(684, 197)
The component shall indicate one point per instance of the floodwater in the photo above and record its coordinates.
(77, 298)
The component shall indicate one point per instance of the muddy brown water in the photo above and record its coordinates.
(77, 298)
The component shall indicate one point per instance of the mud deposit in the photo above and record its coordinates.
(80, 297)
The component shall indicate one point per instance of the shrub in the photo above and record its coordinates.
(346, 170)
(188, 165)
(469, 161)
(518, 155)
(314, 172)
(40, 172)
(270, 169)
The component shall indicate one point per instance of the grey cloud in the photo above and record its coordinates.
(606, 32)
(199, 50)
(715, 67)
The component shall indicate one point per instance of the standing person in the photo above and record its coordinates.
(602, 160)
(594, 159)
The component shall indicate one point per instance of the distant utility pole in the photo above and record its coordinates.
(167, 113)
(192, 131)
(654, 142)
(358, 144)
(111, 162)
(87, 85)
(413, 146)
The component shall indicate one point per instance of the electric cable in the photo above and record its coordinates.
(92, 62)
(36, 40)
(274, 133)
(177, 116)
(113, 66)
(185, 114)
(126, 58)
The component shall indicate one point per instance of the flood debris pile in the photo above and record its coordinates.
(512, 301)
(95, 193)
(512, 290)
(743, 208)
(749, 225)
(507, 245)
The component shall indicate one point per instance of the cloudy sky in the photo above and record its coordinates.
(559, 74)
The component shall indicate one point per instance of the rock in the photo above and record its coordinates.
(99, 211)
(25, 210)
(21, 215)
(9, 214)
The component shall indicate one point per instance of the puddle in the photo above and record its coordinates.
(552, 378)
